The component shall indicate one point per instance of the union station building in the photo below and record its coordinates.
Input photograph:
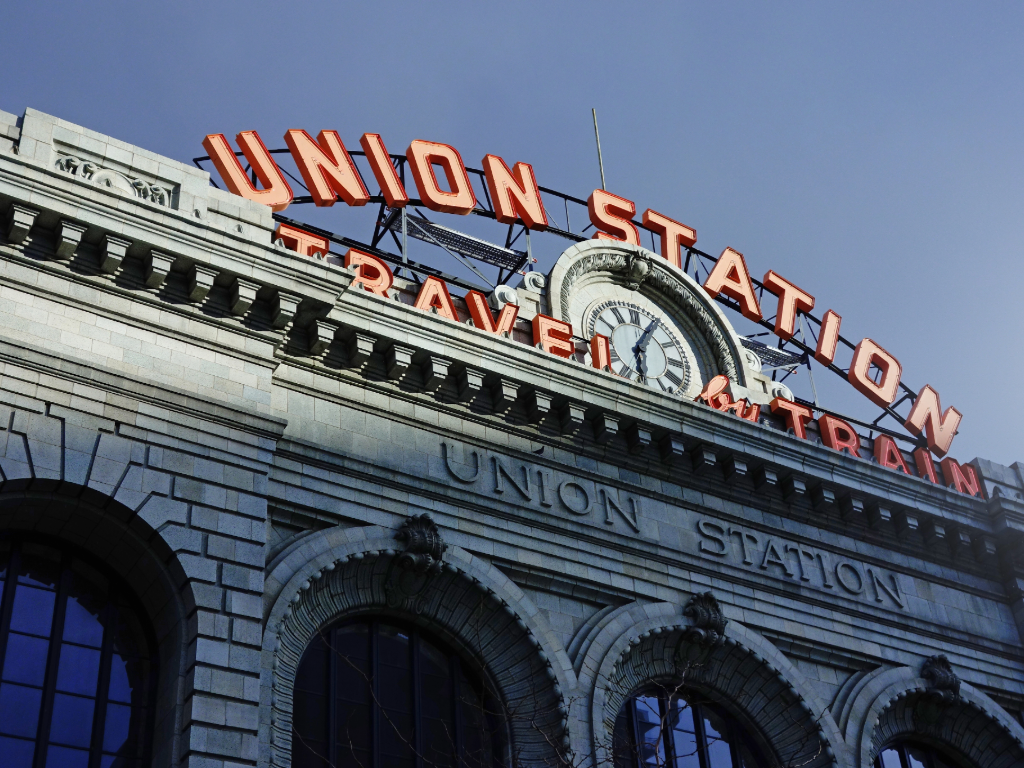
(256, 512)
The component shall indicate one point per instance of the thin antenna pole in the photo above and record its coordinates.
(600, 160)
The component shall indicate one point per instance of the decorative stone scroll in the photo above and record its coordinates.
(943, 690)
(424, 546)
(105, 177)
(409, 573)
(708, 621)
(638, 267)
(943, 682)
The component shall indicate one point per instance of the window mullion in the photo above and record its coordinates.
(417, 707)
(7, 605)
(374, 697)
(332, 697)
(665, 704)
(52, 661)
(735, 742)
(700, 736)
(103, 687)
(459, 745)
(635, 728)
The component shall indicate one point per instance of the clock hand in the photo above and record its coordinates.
(638, 359)
(640, 355)
(645, 337)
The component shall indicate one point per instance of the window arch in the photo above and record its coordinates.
(77, 683)
(909, 755)
(673, 729)
(375, 693)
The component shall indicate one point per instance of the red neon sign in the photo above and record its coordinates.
(329, 173)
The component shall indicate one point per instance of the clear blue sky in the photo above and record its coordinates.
(872, 152)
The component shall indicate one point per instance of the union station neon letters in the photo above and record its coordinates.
(329, 173)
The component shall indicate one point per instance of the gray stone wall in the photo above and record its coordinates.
(240, 436)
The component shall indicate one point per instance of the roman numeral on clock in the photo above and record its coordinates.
(634, 317)
(618, 315)
(671, 376)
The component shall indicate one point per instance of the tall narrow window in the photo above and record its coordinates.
(77, 679)
(373, 694)
(661, 730)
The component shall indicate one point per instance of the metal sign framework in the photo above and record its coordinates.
(399, 224)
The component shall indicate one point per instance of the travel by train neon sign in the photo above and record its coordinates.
(330, 174)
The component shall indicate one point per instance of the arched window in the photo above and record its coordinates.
(379, 694)
(77, 684)
(912, 756)
(659, 728)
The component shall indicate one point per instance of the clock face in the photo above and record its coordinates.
(644, 347)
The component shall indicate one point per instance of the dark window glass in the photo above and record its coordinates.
(26, 659)
(62, 757)
(73, 717)
(19, 710)
(394, 696)
(438, 713)
(912, 756)
(82, 625)
(480, 723)
(116, 728)
(76, 682)
(79, 670)
(17, 752)
(372, 694)
(657, 729)
(649, 737)
(684, 736)
(33, 611)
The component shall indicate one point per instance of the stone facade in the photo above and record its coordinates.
(245, 439)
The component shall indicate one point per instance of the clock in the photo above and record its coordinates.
(644, 345)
